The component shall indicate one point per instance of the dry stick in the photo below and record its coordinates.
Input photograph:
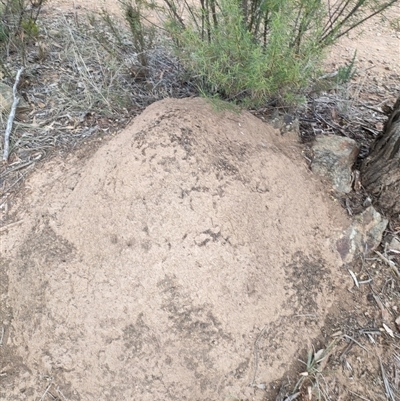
(16, 182)
(355, 341)
(388, 390)
(46, 391)
(11, 116)
(23, 165)
(389, 262)
(4, 228)
(59, 392)
(252, 384)
(293, 396)
(360, 396)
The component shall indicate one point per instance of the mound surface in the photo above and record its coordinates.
(188, 259)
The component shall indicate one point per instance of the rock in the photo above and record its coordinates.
(364, 235)
(6, 100)
(287, 124)
(333, 159)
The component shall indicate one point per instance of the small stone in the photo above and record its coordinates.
(6, 100)
(333, 159)
(363, 236)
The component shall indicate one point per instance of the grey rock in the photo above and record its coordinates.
(286, 124)
(363, 236)
(6, 100)
(333, 159)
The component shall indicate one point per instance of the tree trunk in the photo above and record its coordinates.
(380, 171)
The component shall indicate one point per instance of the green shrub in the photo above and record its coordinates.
(233, 58)
(251, 51)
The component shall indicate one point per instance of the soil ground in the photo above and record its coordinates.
(192, 256)
(144, 275)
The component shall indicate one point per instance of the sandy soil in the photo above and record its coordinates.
(177, 263)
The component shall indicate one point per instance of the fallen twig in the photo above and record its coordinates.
(374, 331)
(293, 397)
(372, 108)
(59, 392)
(11, 116)
(252, 384)
(353, 276)
(365, 281)
(46, 391)
(359, 396)
(19, 167)
(356, 342)
(389, 262)
(388, 390)
(4, 228)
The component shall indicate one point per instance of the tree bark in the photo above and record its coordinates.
(380, 171)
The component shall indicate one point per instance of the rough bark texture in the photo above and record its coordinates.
(381, 170)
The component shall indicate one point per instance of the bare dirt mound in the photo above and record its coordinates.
(188, 259)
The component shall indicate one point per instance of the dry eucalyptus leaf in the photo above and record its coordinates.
(388, 330)
(318, 356)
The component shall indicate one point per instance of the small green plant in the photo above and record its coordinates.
(347, 71)
(395, 24)
(311, 377)
(142, 35)
(30, 28)
(18, 24)
(113, 39)
(3, 32)
(17, 15)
